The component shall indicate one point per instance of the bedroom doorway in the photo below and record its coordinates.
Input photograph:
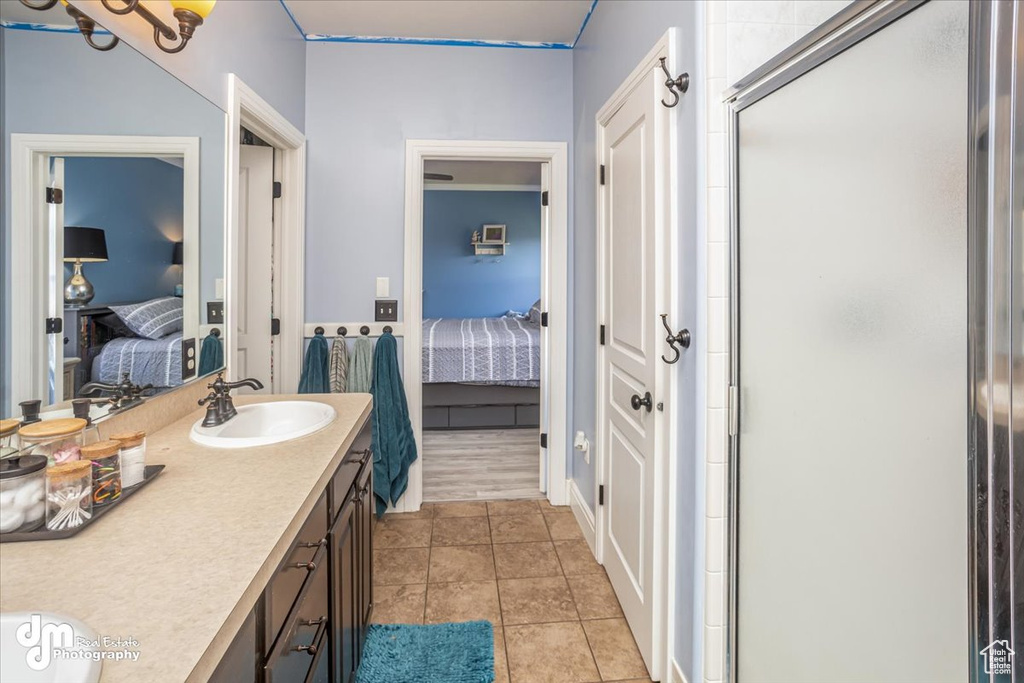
(482, 321)
(485, 379)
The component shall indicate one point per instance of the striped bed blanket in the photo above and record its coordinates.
(503, 351)
(147, 361)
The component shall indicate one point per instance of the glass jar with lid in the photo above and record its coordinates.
(133, 457)
(59, 440)
(8, 438)
(106, 471)
(22, 487)
(68, 495)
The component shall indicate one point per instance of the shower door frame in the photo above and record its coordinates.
(990, 226)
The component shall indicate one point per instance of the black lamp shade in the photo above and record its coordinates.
(179, 254)
(88, 245)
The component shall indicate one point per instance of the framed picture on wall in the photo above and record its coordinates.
(493, 234)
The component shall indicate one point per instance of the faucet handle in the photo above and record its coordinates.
(213, 396)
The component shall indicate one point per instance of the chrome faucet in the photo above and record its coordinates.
(219, 406)
(122, 395)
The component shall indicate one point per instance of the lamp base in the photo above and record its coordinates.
(77, 290)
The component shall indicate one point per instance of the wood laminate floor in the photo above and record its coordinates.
(482, 464)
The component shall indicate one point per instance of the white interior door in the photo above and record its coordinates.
(545, 332)
(255, 259)
(852, 559)
(629, 360)
(55, 285)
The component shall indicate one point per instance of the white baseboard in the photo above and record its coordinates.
(583, 515)
(677, 673)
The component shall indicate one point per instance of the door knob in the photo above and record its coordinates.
(638, 402)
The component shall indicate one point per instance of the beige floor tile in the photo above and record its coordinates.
(549, 653)
(399, 604)
(526, 560)
(461, 531)
(463, 601)
(576, 558)
(594, 597)
(396, 532)
(500, 660)
(536, 601)
(519, 529)
(512, 507)
(465, 509)
(563, 526)
(461, 563)
(400, 565)
(614, 649)
(426, 511)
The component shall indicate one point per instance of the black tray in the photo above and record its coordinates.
(44, 534)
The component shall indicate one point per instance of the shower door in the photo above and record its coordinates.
(850, 537)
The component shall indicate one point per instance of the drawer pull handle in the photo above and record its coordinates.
(308, 566)
(314, 622)
(308, 649)
(319, 544)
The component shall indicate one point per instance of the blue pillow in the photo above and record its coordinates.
(535, 313)
(152, 319)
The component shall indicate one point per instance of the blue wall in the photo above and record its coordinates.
(617, 37)
(458, 284)
(139, 203)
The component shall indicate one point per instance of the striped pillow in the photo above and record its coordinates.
(152, 319)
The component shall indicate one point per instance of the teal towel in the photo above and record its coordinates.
(316, 369)
(211, 355)
(394, 445)
(360, 367)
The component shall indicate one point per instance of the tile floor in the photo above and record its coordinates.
(522, 565)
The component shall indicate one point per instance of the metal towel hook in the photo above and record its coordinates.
(680, 84)
(682, 338)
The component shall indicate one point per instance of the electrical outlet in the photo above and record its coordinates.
(385, 310)
(188, 358)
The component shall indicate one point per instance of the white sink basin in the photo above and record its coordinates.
(261, 424)
(33, 647)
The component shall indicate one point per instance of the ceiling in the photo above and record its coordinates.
(517, 173)
(525, 21)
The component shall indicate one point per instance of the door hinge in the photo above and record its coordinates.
(544, 319)
(544, 198)
(54, 325)
(734, 410)
(543, 440)
(275, 327)
(54, 195)
(602, 335)
(602, 174)
(600, 494)
(277, 189)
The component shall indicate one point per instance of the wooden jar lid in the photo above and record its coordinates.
(8, 427)
(100, 449)
(53, 428)
(129, 439)
(75, 469)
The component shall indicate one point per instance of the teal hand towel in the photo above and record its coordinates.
(394, 445)
(211, 355)
(315, 369)
(360, 368)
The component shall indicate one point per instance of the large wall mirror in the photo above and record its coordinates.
(113, 222)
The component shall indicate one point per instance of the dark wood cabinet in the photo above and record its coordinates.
(310, 623)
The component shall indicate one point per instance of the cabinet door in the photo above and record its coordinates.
(365, 521)
(344, 590)
(240, 663)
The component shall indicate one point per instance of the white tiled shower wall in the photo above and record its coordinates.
(740, 35)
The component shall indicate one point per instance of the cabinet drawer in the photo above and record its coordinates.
(347, 472)
(294, 657)
(287, 582)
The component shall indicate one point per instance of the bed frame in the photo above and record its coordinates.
(480, 406)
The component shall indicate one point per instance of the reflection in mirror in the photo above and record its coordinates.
(128, 257)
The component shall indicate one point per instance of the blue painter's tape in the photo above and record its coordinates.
(524, 45)
(48, 28)
(294, 20)
(584, 24)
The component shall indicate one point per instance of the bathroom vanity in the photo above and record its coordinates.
(250, 564)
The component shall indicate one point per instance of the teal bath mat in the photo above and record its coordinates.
(438, 653)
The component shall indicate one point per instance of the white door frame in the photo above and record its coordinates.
(554, 291)
(31, 253)
(667, 383)
(246, 108)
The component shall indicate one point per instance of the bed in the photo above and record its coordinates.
(147, 361)
(481, 373)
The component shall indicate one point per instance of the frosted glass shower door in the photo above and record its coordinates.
(852, 511)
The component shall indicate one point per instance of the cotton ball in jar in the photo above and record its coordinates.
(35, 512)
(29, 494)
(11, 519)
(7, 498)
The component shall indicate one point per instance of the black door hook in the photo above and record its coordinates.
(682, 338)
(676, 86)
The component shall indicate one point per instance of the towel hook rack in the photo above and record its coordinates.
(342, 331)
(364, 330)
(676, 86)
(387, 329)
(215, 332)
(318, 330)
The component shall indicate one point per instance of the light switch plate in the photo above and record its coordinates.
(383, 287)
(215, 312)
(385, 310)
